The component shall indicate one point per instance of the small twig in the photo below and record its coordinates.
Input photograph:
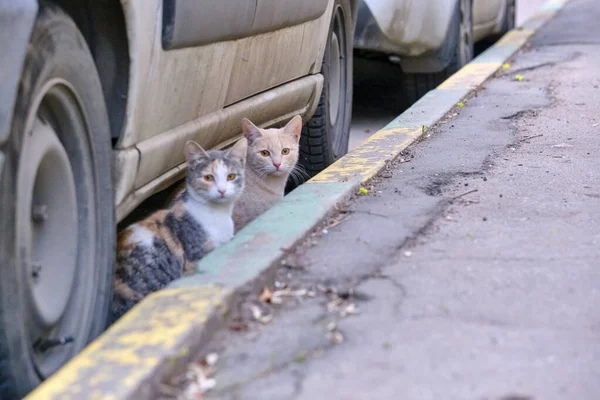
(464, 194)
(363, 212)
(336, 223)
(530, 137)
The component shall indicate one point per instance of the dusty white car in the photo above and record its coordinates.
(430, 39)
(97, 99)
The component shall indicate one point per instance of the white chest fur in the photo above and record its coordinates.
(216, 221)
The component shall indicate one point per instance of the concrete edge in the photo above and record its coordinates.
(171, 326)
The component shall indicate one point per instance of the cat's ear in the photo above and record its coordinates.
(239, 150)
(294, 127)
(193, 151)
(251, 131)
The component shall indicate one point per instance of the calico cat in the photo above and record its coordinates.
(166, 245)
(272, 157)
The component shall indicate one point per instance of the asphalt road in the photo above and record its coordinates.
(469, 271)
(376, 84)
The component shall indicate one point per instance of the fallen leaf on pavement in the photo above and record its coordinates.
(519, 78)
(258, 315)
(266, 295)
(335, 337)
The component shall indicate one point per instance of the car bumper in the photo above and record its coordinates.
(410, 28)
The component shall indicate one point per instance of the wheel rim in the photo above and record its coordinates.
(54, 220)
(337, 78)
(465, 52)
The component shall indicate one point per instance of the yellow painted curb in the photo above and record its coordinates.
(153, 334)
(368, 159)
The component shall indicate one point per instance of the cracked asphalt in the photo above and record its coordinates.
(472, 262)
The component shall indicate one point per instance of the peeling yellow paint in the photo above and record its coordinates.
(515, 38)
(470, 76)
(365, 161)
(132, 348)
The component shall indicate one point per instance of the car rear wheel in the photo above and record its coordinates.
(416, 85)
(56, 209)
(325, 136)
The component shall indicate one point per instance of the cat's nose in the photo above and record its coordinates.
(222, 191)
(277, 165)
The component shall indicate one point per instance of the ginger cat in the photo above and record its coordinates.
(272, 157)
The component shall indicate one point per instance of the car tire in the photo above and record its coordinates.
(326, 135)
(416, 85)
(56, 209)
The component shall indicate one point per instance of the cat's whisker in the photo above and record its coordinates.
(300, 169)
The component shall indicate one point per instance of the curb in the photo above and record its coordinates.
(169, 328)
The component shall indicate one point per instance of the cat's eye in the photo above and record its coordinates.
(285, 151)
(265, 153)
(209, 178)
(231, 177)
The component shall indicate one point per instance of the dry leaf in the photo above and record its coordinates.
(266, 295)
(258, 315)
(336, 337)
(211, 359)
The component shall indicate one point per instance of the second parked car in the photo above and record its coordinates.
(430, 39)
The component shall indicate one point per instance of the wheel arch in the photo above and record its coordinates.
(104, 27)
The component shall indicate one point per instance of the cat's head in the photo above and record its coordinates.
(273, 151)
(216, 175)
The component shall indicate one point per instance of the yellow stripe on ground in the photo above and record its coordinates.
(470, 76)
(365, 161)
(126, 354)
(515, 38)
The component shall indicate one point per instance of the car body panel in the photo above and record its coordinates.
(188, 23)
(16, 22)
(416, 28)
(410, 27)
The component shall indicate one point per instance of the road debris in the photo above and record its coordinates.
(277, 296)
(258, 315)
(194, 382)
